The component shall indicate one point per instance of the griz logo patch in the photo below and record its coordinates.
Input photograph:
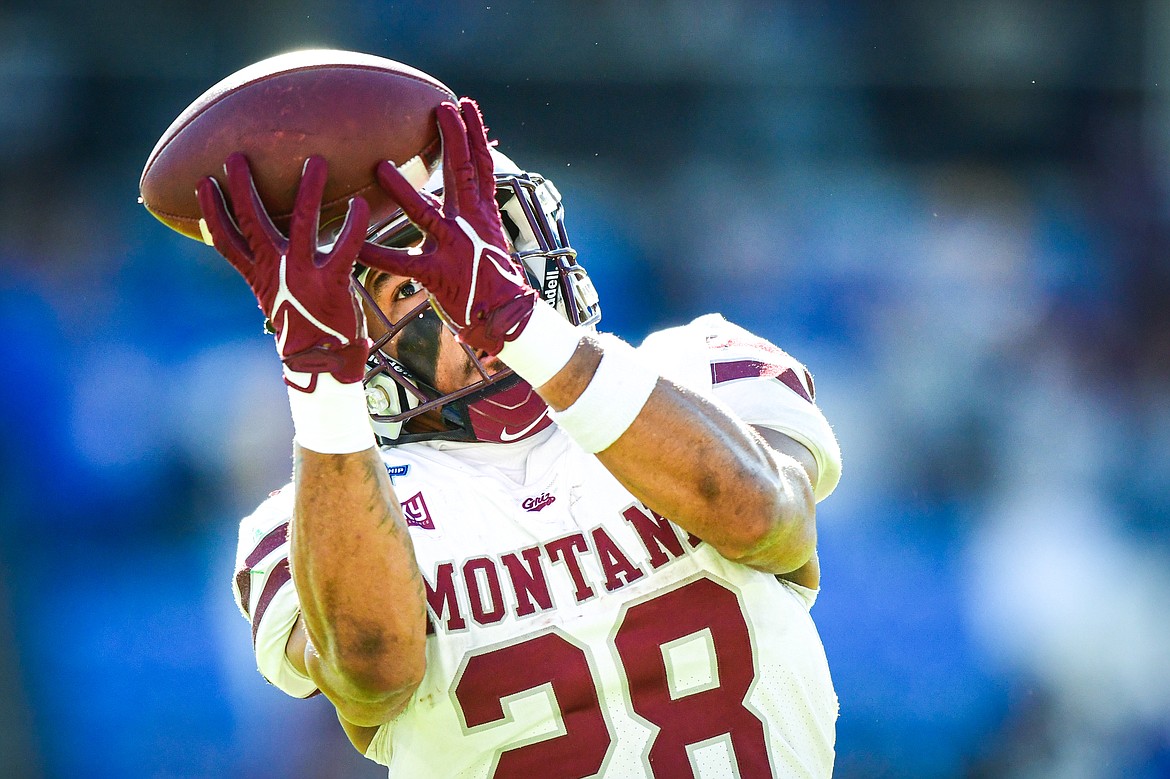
(537, 502)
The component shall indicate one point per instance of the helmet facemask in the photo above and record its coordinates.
(500, 406)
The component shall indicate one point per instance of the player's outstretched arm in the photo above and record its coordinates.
(351, 560)
(690, 460)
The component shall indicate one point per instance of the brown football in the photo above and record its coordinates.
(353, 109)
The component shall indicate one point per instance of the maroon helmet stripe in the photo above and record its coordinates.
(722, 372)
(277, 536)
(277, 579)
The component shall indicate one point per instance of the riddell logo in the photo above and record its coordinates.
(552, 277)
(538, 502)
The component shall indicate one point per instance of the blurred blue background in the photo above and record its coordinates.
(955, 214)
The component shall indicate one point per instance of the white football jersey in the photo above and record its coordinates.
(572, 631)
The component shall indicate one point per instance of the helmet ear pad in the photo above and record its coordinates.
(387, 398)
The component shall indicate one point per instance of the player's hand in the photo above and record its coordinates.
(306, 294)
(464, 263)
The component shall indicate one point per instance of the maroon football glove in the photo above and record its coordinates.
(305, 293)
(474, 283)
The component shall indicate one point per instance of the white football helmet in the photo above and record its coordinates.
(500, 407)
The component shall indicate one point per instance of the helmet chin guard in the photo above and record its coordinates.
(499, 406)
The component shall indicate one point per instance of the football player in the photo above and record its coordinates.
(513, 545)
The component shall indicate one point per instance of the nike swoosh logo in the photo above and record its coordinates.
(507, 436)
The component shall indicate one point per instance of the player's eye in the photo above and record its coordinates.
(407, 289)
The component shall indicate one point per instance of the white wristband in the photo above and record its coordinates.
(615, 396)
(332, 419)
(544, 346)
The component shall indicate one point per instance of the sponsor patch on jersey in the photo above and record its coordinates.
(416, 512)
(537, 502)
(397, 470)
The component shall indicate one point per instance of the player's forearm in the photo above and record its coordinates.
(690, 461)
(353, 565)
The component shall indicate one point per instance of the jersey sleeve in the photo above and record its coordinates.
(761, 383)
(265, 593)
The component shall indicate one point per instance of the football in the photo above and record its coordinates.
(353, 109)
